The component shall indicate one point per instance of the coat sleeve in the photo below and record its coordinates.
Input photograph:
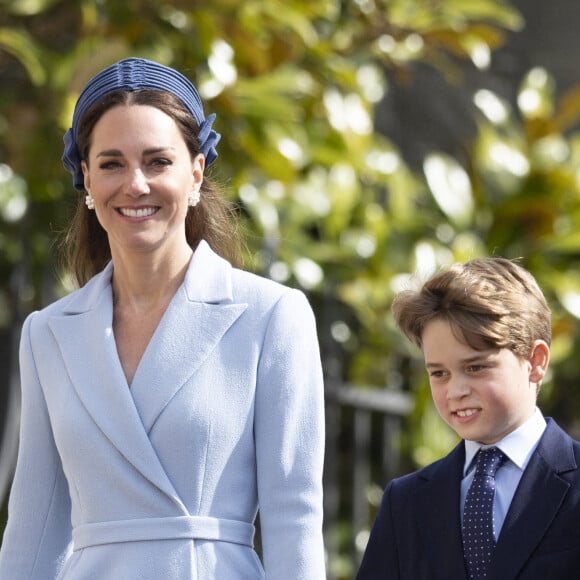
(380, 559)
(289, 433)
(38, 533)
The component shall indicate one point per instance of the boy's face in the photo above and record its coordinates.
(481, 395)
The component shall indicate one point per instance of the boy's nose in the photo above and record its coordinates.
(457, 388)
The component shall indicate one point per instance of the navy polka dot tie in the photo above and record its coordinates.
(477, 528)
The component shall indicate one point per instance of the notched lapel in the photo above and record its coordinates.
(438, 511)
(89, 353)
(536, 503)
(185, 338)
(198, 317)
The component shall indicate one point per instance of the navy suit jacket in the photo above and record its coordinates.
(417, 535)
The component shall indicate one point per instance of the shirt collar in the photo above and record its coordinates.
(517, 445)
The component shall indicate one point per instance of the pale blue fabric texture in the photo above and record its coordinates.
(163, 480)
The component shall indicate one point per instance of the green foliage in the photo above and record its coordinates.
(328, 203)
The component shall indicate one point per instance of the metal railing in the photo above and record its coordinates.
(9, 409)
(362, 448)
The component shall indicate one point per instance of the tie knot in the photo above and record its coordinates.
(489, 461)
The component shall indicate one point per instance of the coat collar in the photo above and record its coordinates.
(208, 279)
(538, 498)
(200, 313)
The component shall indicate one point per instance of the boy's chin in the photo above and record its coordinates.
(473, 430)
(479, 436)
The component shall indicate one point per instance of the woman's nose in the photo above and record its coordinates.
(137, 182)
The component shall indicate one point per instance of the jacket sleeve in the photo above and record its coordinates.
(38, 533)
(289, 433)
(380, 559)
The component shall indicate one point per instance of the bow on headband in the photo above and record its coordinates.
(132, 74)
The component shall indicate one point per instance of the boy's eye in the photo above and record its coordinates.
(476, 368)
(436, 374)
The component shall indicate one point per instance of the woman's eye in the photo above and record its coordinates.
(161, 161)
(109, 165)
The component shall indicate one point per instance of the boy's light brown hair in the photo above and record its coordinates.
(489, 303)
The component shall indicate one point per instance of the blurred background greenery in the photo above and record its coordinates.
(364, 141)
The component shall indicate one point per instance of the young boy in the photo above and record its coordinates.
(484, 329)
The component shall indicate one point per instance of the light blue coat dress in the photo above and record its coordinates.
(162, 481)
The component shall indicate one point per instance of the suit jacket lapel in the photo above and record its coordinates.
(537, 500)
(196, 320)
(438, 514)
(84, 334)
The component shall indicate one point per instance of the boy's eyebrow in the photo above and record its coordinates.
(431, 365)
(468, 360)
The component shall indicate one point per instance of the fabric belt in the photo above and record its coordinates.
(171, 528)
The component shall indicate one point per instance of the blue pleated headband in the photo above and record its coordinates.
(132, 74)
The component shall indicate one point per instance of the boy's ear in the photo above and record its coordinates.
(539, 359)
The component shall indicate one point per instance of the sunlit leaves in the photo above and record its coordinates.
(24, 48)
(26, 7)
(453, 14)
(451, 188)
(536, 96)
(493, 107)
(13, 201)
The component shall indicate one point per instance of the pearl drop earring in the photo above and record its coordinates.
(90, 201)
(193, 198)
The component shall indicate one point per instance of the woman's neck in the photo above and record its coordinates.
(142, 283)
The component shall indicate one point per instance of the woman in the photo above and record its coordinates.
(172, 396)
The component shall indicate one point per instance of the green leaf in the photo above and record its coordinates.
(23, 47)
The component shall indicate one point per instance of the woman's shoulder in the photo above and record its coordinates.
(255, 289)
(245, 279)
(75, 300)
(270, 301)
(246, 286)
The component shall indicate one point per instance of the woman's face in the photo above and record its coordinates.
(140, 174)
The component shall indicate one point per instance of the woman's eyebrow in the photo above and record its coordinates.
(118, 152)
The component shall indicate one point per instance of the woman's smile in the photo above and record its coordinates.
(138, 212)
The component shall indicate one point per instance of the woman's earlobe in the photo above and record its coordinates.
(198, 169)
(87, 181)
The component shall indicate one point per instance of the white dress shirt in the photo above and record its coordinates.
(518, 446)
